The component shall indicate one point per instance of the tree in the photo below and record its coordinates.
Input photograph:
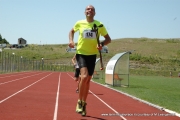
(3, 40)
(0, 37)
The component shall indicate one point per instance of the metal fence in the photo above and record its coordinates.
(13, 63)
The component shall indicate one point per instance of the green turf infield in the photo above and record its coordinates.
(159, 90)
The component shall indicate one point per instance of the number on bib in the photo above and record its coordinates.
(89, 34)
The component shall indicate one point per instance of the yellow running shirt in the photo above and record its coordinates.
(87, 41)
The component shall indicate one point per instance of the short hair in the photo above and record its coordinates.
(91, 6)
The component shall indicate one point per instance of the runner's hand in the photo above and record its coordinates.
(99, 47)
(71, 44)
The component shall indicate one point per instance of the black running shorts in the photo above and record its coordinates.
(77, 72)
(88, 61)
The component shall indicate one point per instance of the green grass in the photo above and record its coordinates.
(162, 91)
(161, 48)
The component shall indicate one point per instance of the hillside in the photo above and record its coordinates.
(163, 48)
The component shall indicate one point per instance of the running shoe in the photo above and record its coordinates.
(77, 90)
(79, 107)
(83, 113)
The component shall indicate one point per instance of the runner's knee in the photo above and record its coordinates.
(84, 77)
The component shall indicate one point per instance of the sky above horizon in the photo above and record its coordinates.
(49, 21)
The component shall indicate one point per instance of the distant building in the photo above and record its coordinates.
(22, 41)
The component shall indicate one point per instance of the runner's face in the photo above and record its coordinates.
(90, 11)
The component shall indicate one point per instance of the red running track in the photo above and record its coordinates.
(51, 96)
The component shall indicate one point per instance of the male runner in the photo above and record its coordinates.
(87, 49)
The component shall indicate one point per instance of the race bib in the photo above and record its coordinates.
(89, 34)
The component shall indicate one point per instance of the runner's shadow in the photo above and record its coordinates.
(93, 117)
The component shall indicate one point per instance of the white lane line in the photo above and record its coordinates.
(15, 75)
(23, 89)
(57, 99)
(18, 79)
(104, 103)
(108, 106)
(9, 73)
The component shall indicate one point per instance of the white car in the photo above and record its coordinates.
(71, 49)
(104, 49)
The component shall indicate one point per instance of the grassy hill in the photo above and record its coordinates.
(164, 48)
(148, 53)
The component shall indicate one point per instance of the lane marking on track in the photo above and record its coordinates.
(23, 89)
(18, 79)
(57, 99)
(105, 103)
(108, 106)
(15, 75)
(9, 73)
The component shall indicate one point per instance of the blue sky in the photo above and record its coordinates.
(49, 21)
